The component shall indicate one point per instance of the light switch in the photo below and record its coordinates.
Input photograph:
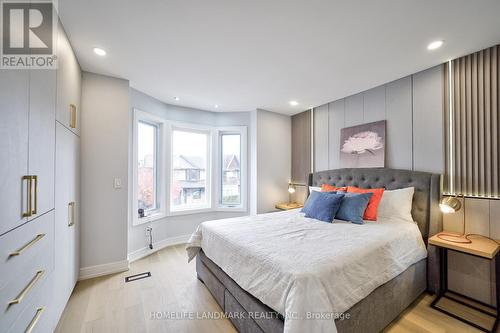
(118, 183)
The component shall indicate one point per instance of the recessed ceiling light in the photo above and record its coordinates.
(435, 45)
(294, 103)
(176, 98)
(216, 106)
(99, 51)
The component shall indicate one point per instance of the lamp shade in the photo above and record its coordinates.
(450, 205)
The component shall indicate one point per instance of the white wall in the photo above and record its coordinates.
(175, 229)
(108, 235)
(273, 150)
(104, 156)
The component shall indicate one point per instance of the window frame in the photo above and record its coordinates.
(161, 210)
(242, 131)
(165, 167)
(194, 128)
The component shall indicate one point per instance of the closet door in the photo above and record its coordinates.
(14, 114)
(66, 221)
(68, 84)
(42, 138)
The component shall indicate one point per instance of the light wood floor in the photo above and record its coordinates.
(108, 304)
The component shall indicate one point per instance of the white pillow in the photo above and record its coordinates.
(397, 203)
(314, 188)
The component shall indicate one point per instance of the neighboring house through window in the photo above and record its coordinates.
(190, 186)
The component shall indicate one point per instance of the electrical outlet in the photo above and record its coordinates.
(118, 183)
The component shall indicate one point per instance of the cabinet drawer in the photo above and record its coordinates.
(36, 317)
(21, 248)
(25, 284)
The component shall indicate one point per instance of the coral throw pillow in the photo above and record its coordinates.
(371, 209)
(331, 188)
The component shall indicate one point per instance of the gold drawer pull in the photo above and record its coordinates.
(35, 320)
(35, 204)
(27, 245)
(32, 195)
(27, 289)
(71, 212)
(29, 184)
(72, 116)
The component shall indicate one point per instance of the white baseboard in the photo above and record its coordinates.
(104, 269)
(145, 251)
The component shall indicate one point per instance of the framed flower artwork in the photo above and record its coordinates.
(363, 146)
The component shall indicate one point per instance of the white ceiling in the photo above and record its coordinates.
(244, 55)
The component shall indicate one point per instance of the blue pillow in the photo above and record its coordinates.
(353, 207)
(322, 205)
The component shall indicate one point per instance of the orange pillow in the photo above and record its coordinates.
(331, 188)
(371, 209)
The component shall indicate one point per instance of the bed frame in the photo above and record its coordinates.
(385, 303)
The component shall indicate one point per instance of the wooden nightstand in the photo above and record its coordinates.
(288, 206)
(479, 247)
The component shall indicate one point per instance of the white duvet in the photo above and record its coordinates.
(308, 270)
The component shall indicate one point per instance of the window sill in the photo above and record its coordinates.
(158, 216)
(149, 218)
(237, 209)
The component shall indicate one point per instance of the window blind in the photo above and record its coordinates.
(471, 92)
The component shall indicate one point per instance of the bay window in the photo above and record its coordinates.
(181, 168)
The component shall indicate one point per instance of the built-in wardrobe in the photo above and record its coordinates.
(39, 191)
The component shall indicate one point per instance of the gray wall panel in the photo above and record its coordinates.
(301, 153)
(336, 122)
(374, 104)
(321, 138)
(428, 139)
(399, 124)
(354, 110)
(413, 111)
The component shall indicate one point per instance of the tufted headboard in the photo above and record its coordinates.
(425, 209)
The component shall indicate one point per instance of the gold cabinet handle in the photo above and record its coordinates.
(27, 289)
(35, 203)
(71, 213)
(35, 320)
(72, 115)
(29, 183)
(27, 245)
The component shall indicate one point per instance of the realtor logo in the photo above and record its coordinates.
(28, 31)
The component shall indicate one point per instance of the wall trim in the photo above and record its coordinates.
(104, 269)
(157, 246)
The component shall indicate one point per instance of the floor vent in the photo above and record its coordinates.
(137, 276)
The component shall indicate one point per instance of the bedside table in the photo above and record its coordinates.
(288, 206)
(479, 247)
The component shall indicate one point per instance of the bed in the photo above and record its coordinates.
(278, 273)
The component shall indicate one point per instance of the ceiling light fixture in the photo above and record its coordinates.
(216, 106)
(99, 51)
(176, 98)
(294, 103)
(435, 45)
